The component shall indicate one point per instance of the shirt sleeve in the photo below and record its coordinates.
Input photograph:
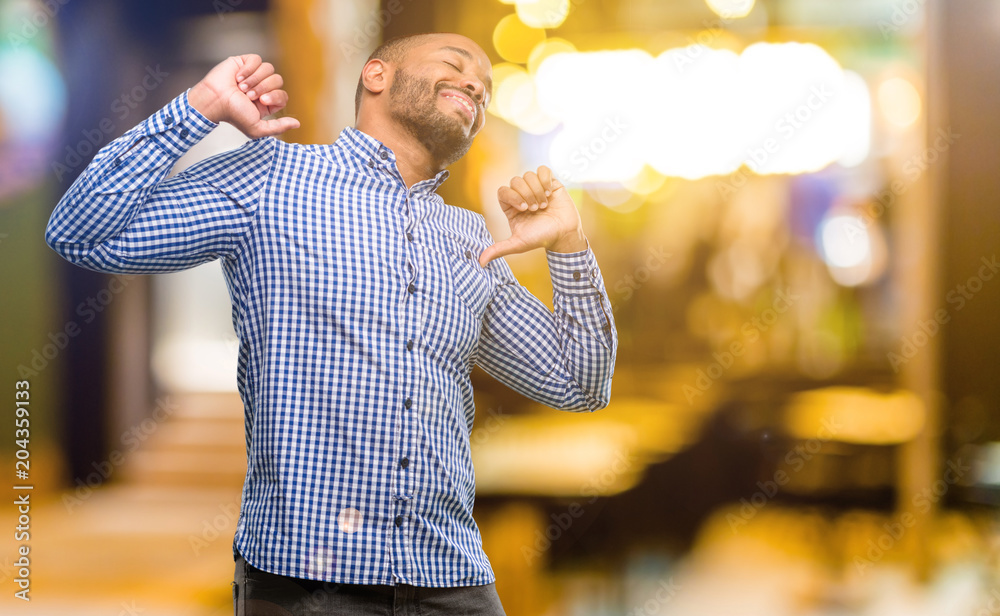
(563, 358)
(122, 216)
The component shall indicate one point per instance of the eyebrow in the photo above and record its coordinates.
(468, 56)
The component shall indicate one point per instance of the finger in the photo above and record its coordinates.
(535, 185)
(274, 82)
(248, 64)
(274, 101)
(510, 198)
(527, 195)
(509, 246)
(545, 178)
(263, 71)
(270, 128)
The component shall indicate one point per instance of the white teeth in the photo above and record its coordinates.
(464, 103)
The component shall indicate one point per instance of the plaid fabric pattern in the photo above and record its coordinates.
(360, 308)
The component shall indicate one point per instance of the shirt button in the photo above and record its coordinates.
(409, 236)
(404, 462)
(371, 164)
(169, 120)
(408, 403)
(383, 155)
(468, 254)
(409, 345)
(184, 133)
(399, 520)
(593, 273)
(576, 275)
(412, 288)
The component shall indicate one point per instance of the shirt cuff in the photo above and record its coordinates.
(575, 273)
(178, 126)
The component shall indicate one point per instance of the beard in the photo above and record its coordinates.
(413, 103)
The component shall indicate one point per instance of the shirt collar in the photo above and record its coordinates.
(375, 155)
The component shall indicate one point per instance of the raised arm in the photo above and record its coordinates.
(121, 215)
(564, 358)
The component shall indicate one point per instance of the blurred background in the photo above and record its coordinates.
(795, 207)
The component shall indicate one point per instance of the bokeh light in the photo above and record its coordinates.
(845, 241)
(32, 96)
(514, 40)
(731, 9)
(548, 47)
(899, 101)
(543, 13)
(853, 248)
(863, 416)
(694, 112)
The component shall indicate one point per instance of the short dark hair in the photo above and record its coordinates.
(391, 51)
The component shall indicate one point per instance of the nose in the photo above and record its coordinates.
(475, 87)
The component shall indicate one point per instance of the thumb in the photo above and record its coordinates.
(270, 128)
(499, 249)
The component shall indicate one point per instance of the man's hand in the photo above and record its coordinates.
(243, 90)
(541, 214)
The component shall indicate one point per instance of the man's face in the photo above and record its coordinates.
(439, 93)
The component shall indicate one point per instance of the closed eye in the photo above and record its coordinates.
(450, 64)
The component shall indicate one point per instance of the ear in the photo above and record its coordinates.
(375, 76)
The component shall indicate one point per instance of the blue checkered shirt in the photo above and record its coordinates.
(360, 308)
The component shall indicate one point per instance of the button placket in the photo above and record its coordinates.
(409, 332)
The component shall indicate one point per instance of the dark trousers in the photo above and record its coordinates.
(259, 593)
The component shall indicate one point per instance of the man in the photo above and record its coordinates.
(361, 302)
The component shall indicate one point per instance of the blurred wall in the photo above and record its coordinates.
(966, 78)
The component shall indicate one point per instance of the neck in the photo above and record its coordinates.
(413, 160)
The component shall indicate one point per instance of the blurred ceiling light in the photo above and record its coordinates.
(700, 113)
(603, 130)
(731, 9)
(853, 250)
(548, 47)
(856, 140)
(543, 13)
(514, 40)
(800, 108)
(695, 112)
(855, 415)
(844, 241)
(899, 102)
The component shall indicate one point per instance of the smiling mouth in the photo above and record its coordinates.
(463, 102)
